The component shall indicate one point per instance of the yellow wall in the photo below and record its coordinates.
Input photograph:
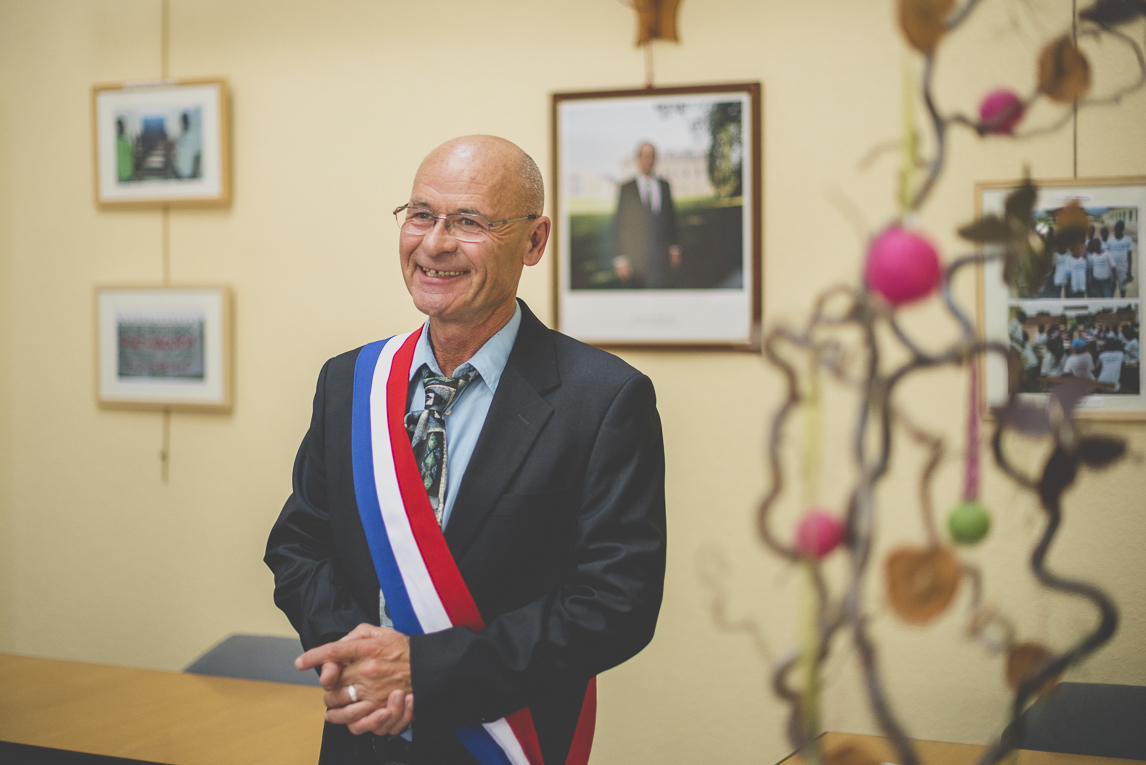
(335, 103)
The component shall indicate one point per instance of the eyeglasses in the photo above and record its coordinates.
(465, 227)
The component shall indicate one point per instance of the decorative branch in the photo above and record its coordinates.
(902, 266)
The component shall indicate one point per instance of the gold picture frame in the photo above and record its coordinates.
(1014, 314)
(162, 143)
(163, 348)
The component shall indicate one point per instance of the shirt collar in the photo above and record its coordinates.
(489, 361)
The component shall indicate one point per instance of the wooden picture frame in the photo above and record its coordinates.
(163, 348)
(1099, 312)
(162, 143)
(625, 277)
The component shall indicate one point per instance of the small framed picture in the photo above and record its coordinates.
(1080, 315)
(164, 347)
(162, 143)
(658, 216)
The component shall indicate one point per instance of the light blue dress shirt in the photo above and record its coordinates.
(464, 418)
(466, 415)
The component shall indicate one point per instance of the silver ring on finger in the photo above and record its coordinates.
(353, 694)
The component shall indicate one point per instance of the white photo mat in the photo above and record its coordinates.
(163, 347)
(998, 302)
(596, 136)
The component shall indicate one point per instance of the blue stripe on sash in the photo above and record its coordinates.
(366, 493)
(481, 745)
(475, 738)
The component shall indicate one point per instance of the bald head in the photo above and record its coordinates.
(497, 162)
(461, 275)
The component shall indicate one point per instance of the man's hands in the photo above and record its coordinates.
(376, 661)
(623, 269)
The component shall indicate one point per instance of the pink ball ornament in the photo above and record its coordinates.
(1000, 111)
(902, 266)
(818, 533)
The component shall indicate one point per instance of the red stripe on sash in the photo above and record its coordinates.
(452, 590)
(586, 725)
(521, 723)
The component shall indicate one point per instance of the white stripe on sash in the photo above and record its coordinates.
(423, 595)
(504, 736)
(420, 587)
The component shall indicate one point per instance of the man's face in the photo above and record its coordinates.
(465, 283)
(646, 158)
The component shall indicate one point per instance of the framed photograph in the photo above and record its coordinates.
(658, 226)
(1084, 316)
(163, 348)
(162, 143)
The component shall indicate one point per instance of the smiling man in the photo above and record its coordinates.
(477, 524)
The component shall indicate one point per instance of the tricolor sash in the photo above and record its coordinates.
(423, 588)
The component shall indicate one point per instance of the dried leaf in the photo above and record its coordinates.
(1011, 268)
(1026, 258)
(1020, 203)
(1064, 72)
(1071, 391)
(921, 582)
(1034, 260)
(1025, 658)
(849, 754)
(1100, 451)
(1109, 13)
(922, 22)
(988, 229)
(1025, 418)
(1071, 216)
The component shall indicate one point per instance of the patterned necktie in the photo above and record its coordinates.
(427, 430)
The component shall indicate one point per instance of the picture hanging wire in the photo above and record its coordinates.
(165, 231)
(165, 243)
(165, 448)
(165, 211)
(164, 37)
(1074, 106)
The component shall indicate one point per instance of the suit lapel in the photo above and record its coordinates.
(517, 415)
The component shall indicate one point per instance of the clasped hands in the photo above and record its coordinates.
(376, 661)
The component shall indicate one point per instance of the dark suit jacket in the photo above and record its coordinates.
(644, 237)
(558, 530)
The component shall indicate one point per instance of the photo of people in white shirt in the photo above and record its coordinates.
(1053, 340)
(1109, 250)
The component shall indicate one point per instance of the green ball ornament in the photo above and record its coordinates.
(969, 523)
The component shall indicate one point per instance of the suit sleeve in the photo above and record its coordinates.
(670, 213)
(310, 586)
(603, 612)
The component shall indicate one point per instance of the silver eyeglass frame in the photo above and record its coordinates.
(491, 224)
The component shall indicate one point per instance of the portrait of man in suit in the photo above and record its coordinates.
(542, 464)
(646, 248)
